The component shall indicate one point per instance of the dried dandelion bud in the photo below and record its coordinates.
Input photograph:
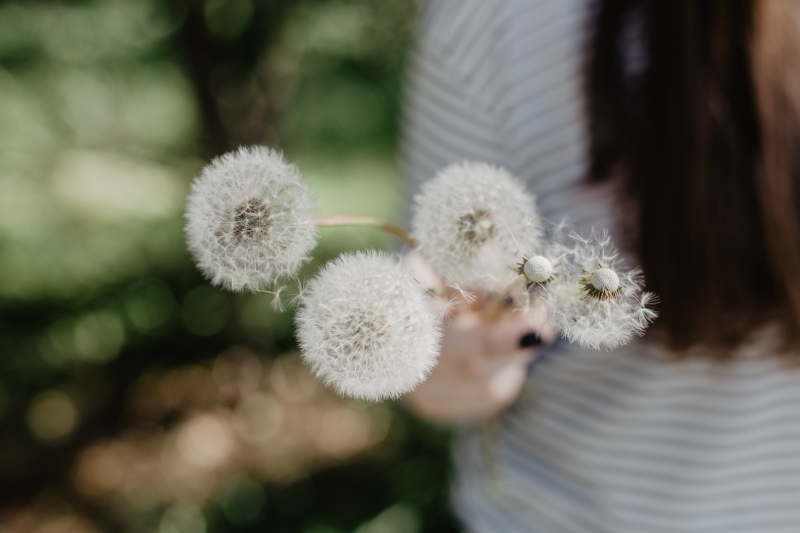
(471, 220)
(605, 279)
(366, 329)
(601, 304)
(602, 284)
(249, 219)
(538, 272)
(537, 269)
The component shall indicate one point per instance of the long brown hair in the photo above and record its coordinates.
(704, 139)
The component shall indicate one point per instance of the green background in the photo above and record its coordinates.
(133, 395)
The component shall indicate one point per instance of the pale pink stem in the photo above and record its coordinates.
(363, 220)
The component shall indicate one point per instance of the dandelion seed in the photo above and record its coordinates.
(600, 304)
(277, 301)
(366, 329)
(297, 297)
(249, 219)
(448, 309)
(469, 297)
(470, 222)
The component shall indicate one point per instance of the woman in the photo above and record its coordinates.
(674, 123)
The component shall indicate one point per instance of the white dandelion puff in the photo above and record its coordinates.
(470, 222)
(249, 219)
(366, 328)
(600, 304)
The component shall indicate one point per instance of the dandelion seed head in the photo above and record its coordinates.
(477, 226)
(470, 222)
(599, 303)
(249, 219)
(366, 328)
(537, 269)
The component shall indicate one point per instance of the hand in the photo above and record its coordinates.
(482, 366)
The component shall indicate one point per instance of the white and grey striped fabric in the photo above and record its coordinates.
(627, 441)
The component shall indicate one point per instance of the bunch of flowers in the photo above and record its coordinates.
(366, 327)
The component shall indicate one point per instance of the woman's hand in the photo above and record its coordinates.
(483, 362)
(481, 369)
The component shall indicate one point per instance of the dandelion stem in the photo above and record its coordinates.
(362, 220)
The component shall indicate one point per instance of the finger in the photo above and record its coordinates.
(538, 319)
(504, 386)
(425, 275)
(548, 334)
(516, 358)
(503, 336)
(480, 300)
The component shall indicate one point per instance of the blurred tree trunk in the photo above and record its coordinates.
(222, 45)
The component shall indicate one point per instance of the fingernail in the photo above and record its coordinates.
(531, 339)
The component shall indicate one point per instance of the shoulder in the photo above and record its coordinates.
(457, 25)
(488, 43)
(459, 29)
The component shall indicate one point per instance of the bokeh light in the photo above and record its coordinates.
(52, 416)
(206, 311)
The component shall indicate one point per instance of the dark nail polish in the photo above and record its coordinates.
(531, 339)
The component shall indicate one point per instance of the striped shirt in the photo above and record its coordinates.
(626, 441)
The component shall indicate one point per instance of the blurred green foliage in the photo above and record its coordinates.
(108, 108)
